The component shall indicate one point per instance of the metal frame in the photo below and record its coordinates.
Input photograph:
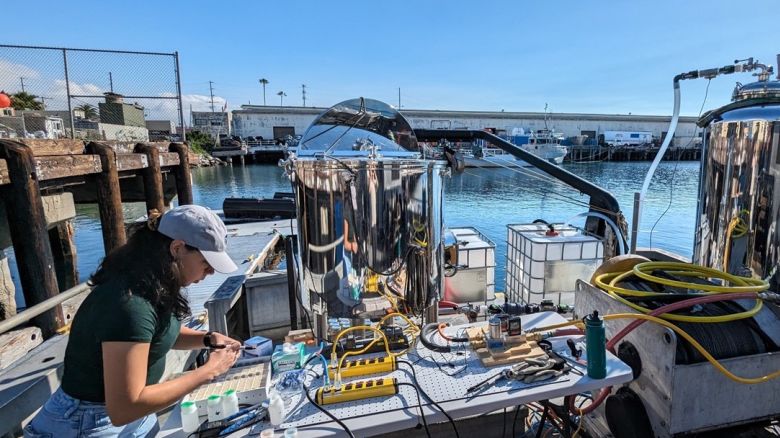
(684, 398)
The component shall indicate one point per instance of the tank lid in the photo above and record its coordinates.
(756, 90)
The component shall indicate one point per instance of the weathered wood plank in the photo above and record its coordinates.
(63, 166)
(18, 343)
(182, 173)
(63, 249)
(127, 147)
(45, 147)
(109, 198)
(27, 224)
(168, 159)
(153, 188)
(4, 179)
(131, 162)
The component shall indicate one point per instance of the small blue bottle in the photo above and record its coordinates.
(596, 344)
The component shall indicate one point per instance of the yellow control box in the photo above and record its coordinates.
(362, 367)
(357, 391)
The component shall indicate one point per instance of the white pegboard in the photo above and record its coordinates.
(386, 414)
(443, 376)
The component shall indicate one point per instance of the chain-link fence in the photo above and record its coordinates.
(90, 94)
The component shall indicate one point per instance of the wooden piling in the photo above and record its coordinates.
(27, 225)
(152, 176)
(64, 252)
(109, 197)
(182, 173)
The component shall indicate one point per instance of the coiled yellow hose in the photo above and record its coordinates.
(608, 282)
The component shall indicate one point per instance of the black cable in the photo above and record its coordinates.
(419, 404)
(514, 420)
(313, 402)
(503, 425)
(431, 400)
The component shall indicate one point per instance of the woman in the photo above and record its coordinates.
(121, 333)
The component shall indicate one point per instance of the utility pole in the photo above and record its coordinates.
(22, 81)
(211, 92)
(399, 98)
(303, 91)
(111, 81)
(264, 82)
(43, 101)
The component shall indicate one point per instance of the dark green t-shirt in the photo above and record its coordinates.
(112, 313)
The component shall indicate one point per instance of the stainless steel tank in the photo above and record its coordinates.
(739, 193)
(369, 213)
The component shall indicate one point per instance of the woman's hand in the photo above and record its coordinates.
(229, 343)
(221, 360)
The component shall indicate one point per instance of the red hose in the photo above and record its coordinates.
(444, 303)
(636, 323)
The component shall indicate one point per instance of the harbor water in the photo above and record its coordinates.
(487, 199)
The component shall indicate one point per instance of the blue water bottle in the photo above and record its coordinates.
(596, 344)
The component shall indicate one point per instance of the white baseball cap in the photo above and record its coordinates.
(200, 228)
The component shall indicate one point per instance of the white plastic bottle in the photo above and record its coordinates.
(229, 403)
(189, 417)
(276, 409)
(214, 406)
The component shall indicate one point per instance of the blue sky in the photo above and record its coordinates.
(575, 56)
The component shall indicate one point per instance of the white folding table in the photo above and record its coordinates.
(443, 376)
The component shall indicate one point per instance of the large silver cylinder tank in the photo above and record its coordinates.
(739, 192)
(369, 213)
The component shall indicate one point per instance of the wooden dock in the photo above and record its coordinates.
(587, 154)
(41, 180)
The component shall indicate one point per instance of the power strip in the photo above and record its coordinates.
(362, 367)
(357, 391)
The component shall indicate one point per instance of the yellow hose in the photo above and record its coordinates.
(609, 281)
(354, 353)
(685, 335)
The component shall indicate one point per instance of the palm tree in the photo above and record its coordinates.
(281, 95)
(264, 81)
(23, 100)
(90, 112)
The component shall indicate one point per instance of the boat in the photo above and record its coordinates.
(543, 143)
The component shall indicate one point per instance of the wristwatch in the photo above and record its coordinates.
(207, 340)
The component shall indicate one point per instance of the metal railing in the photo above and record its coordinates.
(30, 313)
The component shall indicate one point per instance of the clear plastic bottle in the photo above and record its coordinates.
(276, 409)
(214, 406)
(189, 417)
(229, 403)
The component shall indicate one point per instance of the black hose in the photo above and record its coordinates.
(324, 411)
(431, 400)
(419, 404)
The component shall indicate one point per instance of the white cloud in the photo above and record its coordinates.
(200, 102)
(78, 89)
(10, 74)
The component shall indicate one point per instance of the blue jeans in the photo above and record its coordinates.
(64, 417)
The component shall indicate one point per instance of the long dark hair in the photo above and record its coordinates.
(146, 267)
